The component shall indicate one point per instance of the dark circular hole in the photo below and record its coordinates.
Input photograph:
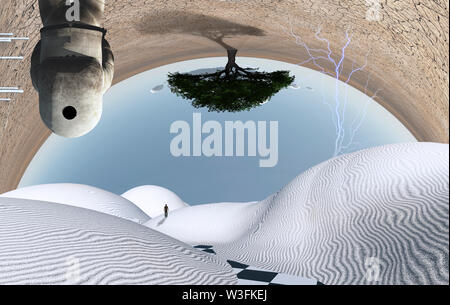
(69, 112)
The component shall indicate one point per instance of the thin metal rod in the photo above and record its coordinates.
(9, 39)
(12, 57)
(11, 91)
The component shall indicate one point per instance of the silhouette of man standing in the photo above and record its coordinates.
(166, 211)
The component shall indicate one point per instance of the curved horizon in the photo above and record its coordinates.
(132, 109)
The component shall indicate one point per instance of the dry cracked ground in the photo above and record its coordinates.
(406, 47)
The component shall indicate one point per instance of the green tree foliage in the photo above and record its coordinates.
(232, 89)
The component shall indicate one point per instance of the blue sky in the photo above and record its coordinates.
(130, 146)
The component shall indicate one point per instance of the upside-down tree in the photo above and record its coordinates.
(232, 89)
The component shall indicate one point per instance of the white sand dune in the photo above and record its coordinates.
(151, 199)
(209, 224)
(82, 196)
(47, 243)
(338, 220)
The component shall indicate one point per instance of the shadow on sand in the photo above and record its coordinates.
(162, 221)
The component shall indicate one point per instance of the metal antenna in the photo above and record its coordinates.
(7, 38)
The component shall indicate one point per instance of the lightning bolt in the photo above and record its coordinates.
(345, 139)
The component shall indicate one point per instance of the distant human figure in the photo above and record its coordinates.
(166, 211)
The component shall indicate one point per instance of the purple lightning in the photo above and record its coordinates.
(338, 107)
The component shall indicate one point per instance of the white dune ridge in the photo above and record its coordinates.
(47, 243)
(210, 224)
(82, 196)
(151, 199)
(377, 216)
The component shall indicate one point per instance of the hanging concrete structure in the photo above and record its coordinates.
(72, 66)
(406, 43)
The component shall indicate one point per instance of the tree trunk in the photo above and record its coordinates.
(231, 61)
(232, 57)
